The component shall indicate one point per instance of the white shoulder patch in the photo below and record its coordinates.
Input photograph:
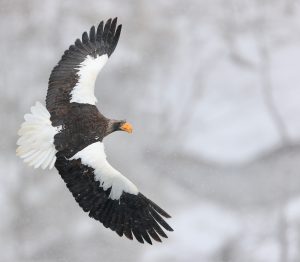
(94, 156)
(36, 142)
(83, 91)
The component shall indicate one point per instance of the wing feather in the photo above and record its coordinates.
(99, 32)
(93, 34)
(106, 29)
(130, 215)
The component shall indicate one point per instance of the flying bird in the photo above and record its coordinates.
(68, 133)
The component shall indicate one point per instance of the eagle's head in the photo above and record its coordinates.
(118, 125)
(123, 126)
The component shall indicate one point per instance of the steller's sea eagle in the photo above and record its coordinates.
(69, 132)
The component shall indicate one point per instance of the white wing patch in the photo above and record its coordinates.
(83, 91)
(36, 142)
(94, 156)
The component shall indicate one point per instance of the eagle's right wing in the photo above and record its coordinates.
(110, 197)
(73, 78)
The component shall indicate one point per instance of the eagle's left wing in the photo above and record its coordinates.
(73, 78)
(110, 197)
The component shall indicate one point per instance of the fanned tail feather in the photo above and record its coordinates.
(35, 144)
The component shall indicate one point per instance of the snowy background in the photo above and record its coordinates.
(212, 90)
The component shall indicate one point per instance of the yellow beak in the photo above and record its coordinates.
(126, 127)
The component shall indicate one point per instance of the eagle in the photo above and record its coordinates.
(68, 133)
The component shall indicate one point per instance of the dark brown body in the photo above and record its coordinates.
(82, 125)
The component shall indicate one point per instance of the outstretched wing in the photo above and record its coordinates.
(109, 197)
(73, 78)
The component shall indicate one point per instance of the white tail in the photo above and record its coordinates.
(36, 142)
